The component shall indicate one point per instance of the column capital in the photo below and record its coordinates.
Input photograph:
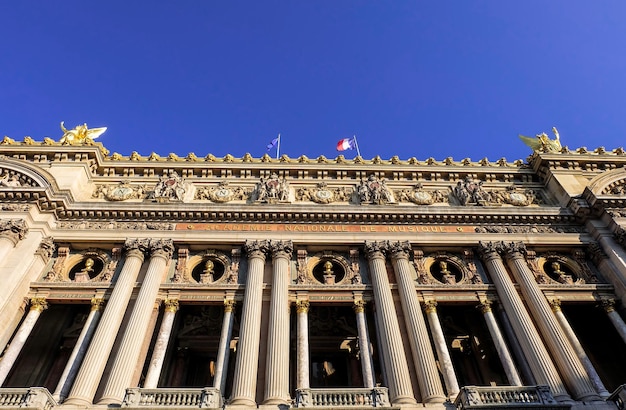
(302, 306)
(161, 247)
(515, 250)
(490, 250)
(13, 229)
(256, 249)
(608, 305)
(97, 304)
(485, 306)
(400, 250)
(136, 247)
(359, 306)
(376, 249)
(38, 304)
(46, 248)
(430, 306)
(229, 305)
(171, 305)
(555, 304)
(281, 249)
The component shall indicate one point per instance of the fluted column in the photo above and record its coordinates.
(11, 232)
(501, 348)
(277, 368)
(302, 376)
(535, 351)
(365, 356)
(423, 358)
(97, 355)
(564, 355)
(127, 358)
(160, 346)
(396, 366)
(78, 353)
(37, 305)
(247, 361)
(571, 336)
(614, 317)
(223, 352)
(449, 375)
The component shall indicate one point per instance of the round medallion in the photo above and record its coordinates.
(422, 198)
(120, 193)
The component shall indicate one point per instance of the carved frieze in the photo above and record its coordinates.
(15, 207)
(272, 190)
(374, 190)
(322, 194)
(526, 229)
(120, 192)
(418, 195)
(112, 225)
(222, 193)
(10, 178)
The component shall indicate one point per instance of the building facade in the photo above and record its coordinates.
(182, 282)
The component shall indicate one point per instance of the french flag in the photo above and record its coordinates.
(346, 144)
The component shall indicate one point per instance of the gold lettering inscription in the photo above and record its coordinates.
(322, 228)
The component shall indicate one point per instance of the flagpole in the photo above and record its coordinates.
(357, 146)
(278, 146)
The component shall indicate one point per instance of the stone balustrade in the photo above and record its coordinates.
(172, 398)
(527, 397)
(34, 397)
(349, 397)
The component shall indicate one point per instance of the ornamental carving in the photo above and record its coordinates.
(301, 266)
(161, 247)
(400, 249)
(91, 265)
(259, 248)
(471, 192)
(327, 268)
(373, 247)
(419, 196)
(272, 190)
(222, 193)
(209, 267)
(120, 192)
(281, 248)
(14, 229)
(46, 248)
(444, 268)
(170, 187)
(322, 194)
(181, 273)
(9, 178)
(526, 229)
(15, 207)
(233, 273)
(374, 190)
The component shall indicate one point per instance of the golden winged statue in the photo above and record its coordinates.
(80, 134)
(542, 143)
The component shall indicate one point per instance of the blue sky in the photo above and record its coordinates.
(409, 78)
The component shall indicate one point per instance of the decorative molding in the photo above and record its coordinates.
(46, 248)
(322, 194)
(113, 225)
(223, 193)
(13, 229)
(120, 192)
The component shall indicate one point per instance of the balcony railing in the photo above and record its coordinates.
(358, 397)
(207, 398)
(33, 397)
(527, 397)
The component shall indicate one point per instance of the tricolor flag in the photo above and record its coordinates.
(272, 144)
(346, 144)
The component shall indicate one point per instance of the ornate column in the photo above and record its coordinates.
(160, 346)
(562, 351)
(614, 317)
(223, 352)
(367, 367)
(247, 361)
(449, 376)
(534, 349)
(302, 377)
(37, 305)
(11, 232)
(423, 358)
(277, 368)
(392, 350)
(95, 361)
(498, 341)
(78, 353)
(127, 358)
(573, 339)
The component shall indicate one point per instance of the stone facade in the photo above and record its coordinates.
(182, 281)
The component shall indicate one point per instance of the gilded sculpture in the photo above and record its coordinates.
(80, 134)
(541, 142)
